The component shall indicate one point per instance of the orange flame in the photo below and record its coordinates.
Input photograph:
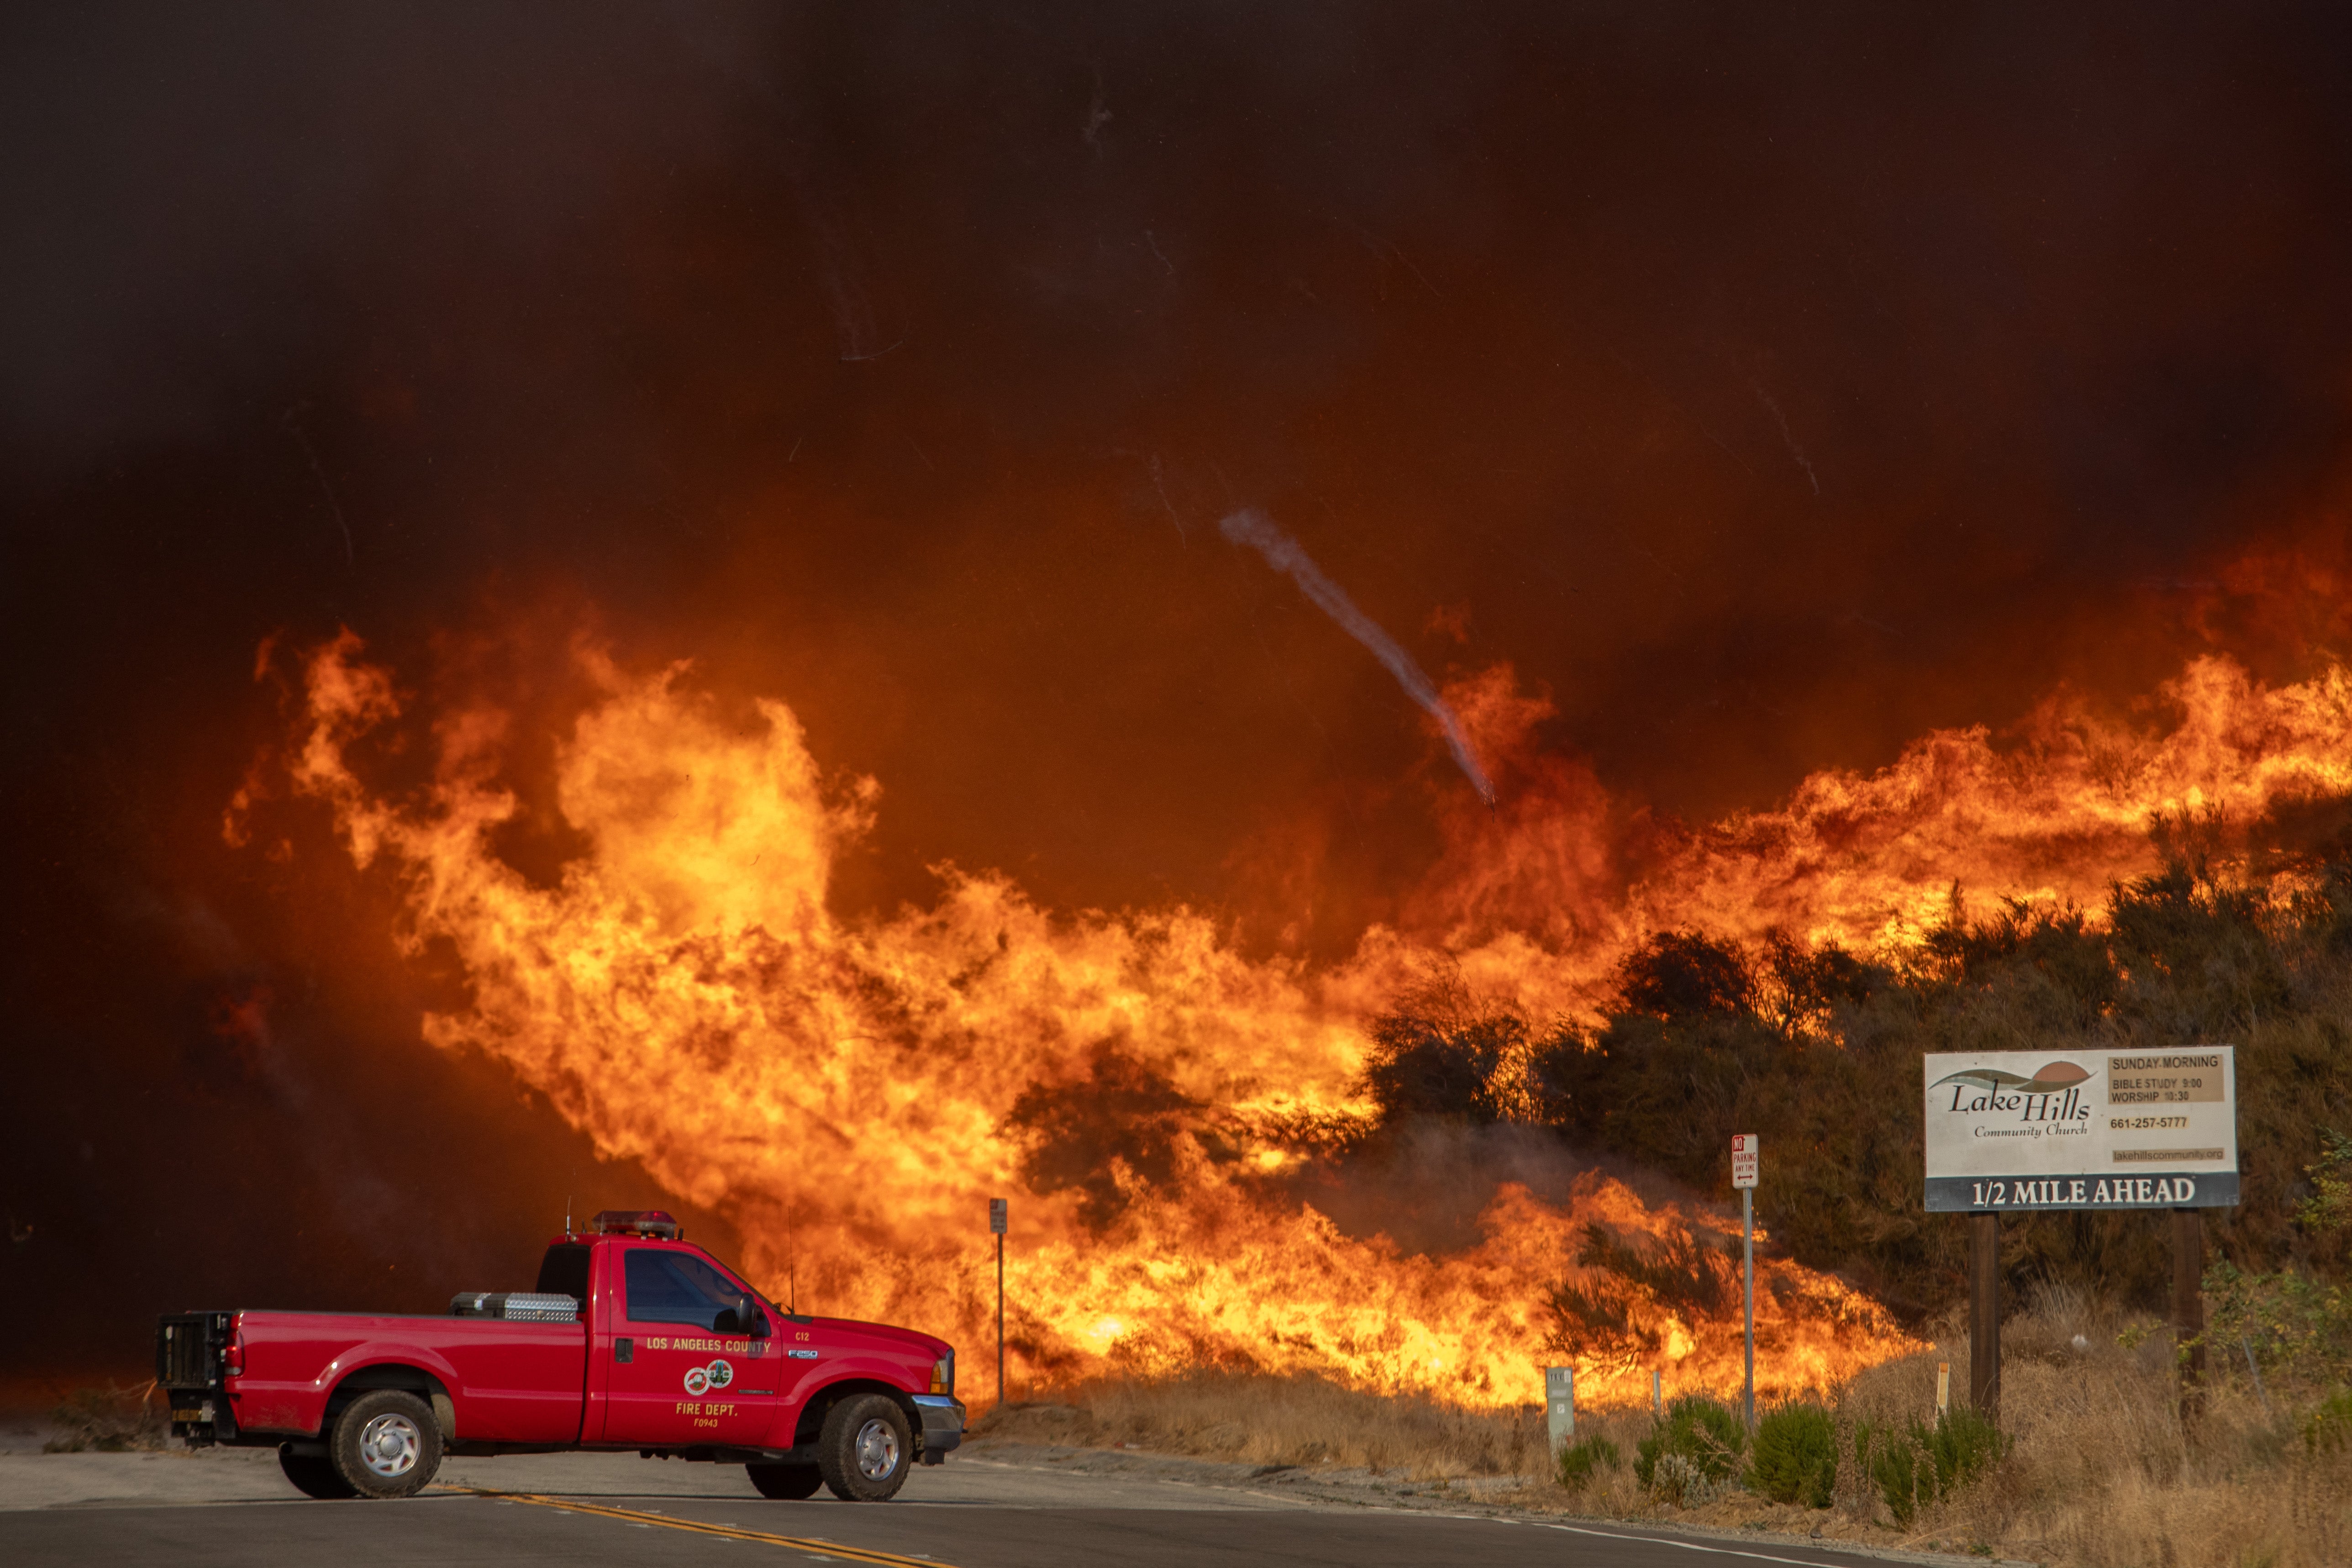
(841, 1088)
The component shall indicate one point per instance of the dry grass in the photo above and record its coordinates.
(1267, 1419)
(110, 1419)
(2100, 1472)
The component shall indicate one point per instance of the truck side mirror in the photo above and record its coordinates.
(743, 1318)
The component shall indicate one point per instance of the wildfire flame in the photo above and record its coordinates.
(841, 1089)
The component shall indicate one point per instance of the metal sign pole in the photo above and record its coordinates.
(1748, 1285)
(1744, 1161)
(997, 1217)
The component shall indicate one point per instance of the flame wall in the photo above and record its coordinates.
(850, 1092)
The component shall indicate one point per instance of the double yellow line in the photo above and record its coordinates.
(696, 1527)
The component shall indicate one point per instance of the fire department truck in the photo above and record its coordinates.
(633, 1339)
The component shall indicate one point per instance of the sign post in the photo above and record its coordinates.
(998, 1213)
(2090, 1129)
(1743, 1176)
(1559, 1406)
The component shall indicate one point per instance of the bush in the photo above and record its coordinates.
(1921, 1464)
(2329, 1428)
(1579, 1460)
(1692, 1453)
(109, 1420)
(1796, 1456)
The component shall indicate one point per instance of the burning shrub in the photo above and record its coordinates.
(1123, 1125)
(1689, 1456)
(1796, 1457)
(1625, 1312)
(1683, 973)
(1440, 1056)
(109, 1420)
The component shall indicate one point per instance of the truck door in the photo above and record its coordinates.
(674, 1379)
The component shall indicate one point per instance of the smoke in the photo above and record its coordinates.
(1252, 527)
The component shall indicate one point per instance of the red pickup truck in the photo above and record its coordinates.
(633, 1339)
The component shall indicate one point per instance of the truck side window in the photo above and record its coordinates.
(675, 1287)
(564, 1271)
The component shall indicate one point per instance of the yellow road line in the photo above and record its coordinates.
(696, 1527)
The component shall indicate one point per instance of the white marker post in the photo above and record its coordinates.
(1743, 1176)
(998, 1213)
(1559, 1402)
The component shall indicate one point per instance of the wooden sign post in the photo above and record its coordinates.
(1984, 1313)
(2188, 1307)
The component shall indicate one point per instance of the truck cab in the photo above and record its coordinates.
(632, 1339)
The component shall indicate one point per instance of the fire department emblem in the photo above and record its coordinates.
(722, 1373)
(697, 1380)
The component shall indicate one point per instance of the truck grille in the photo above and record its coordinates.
(188, 1348)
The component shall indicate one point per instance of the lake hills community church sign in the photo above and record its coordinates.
(2082, 1130)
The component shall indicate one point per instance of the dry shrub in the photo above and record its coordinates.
(109, 1420)
(2101, 1471)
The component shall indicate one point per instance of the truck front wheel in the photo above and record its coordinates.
(386, 1443)
(792, 1481)
(864, 1448)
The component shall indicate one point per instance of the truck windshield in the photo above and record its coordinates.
(676, 1287)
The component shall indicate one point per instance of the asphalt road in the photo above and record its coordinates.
(975, 1514)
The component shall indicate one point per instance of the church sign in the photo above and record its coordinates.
(2082, 1130)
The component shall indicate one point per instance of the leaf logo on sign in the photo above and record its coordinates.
(2049, 1079)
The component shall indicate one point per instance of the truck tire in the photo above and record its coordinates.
(313, 1475)
(864, 1448)
(790, 1481)
(386, 1443)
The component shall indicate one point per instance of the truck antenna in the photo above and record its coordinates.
(567, 1216)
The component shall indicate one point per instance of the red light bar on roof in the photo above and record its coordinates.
(635, 1222)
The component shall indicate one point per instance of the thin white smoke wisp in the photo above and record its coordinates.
(1252, 527)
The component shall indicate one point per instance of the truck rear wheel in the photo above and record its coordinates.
(386, 1443)
(793, 1481)
(313, 1475)
(864, 1448)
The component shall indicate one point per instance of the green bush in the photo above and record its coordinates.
(1693, 1451)
(1921, 1464)
(2329, 1428)
(1796, 1455)
(1579, 1460)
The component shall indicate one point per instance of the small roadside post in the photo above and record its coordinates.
(1743, 1176)
(999, 1212)
(1559, 1406)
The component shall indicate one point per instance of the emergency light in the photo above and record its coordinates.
(635, 1222)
